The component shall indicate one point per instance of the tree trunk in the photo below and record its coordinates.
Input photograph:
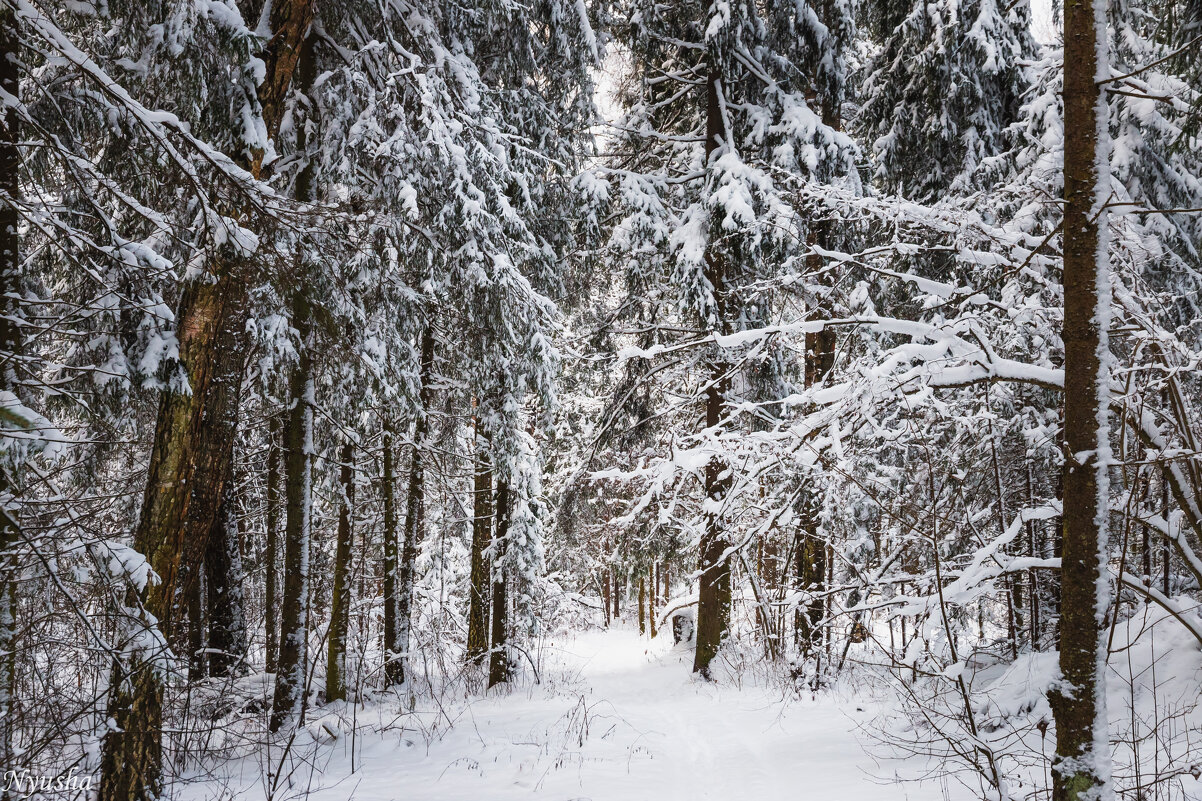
(131, 758)
(477, 615)
(223, 588)
(642, 605)
(271, 557)
(498, 661)
(289, 701)
(415, 503)
(393, 671)
(1081, 768)
(340, 600)
(651, 605)
(713, 591)
(605, 592)
(10, 346)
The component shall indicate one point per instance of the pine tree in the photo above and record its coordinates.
(1081, 768)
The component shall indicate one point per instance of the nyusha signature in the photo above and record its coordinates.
(25, 783)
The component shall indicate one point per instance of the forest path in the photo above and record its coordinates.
(618, 717)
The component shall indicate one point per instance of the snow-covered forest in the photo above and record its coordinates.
(601, 399)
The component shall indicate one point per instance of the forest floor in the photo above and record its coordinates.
(616, 717)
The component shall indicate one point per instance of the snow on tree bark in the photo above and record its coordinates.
(1081, 769)
(340, 599)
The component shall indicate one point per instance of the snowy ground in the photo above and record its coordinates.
(616, 718)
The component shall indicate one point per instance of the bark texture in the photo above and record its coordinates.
(477, 613)
(131, 753)
(393, 670)
(271, 558)
(1080, 771)
(289, 700)
(340, 601)
(713, 590)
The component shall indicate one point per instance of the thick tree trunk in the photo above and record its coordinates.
(713, 591)
(223, 588)
(498, 660)
(393, 670)
(288, 704)
(477, 613)
(340, 600)
(415, 503)
(1081, 769)
(213, 459)
(131, 760)
(271, 557)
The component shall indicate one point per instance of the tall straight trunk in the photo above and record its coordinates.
(498, 659)
(477, 613)
(131, 753)
(651, 605)
(605, 591)
(10, 344)
(340, 601)
(393, 671)
(223, 589)
(642, 605)
(271, 557)
(415, 503)
(288, 703)
(617, 593)
(809, 548)
(713, 590)
(1081, 769)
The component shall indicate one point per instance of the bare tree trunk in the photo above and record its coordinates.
(642, 605)
(415, 504)
(713, 591)
(340, 598)
(393, 671)
(498, 661)
(271, 557)
(288, 703)
(10, 345)
(223, 588)
(1081, 768)
(477, 615)
(651, 605)
(605, 593)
